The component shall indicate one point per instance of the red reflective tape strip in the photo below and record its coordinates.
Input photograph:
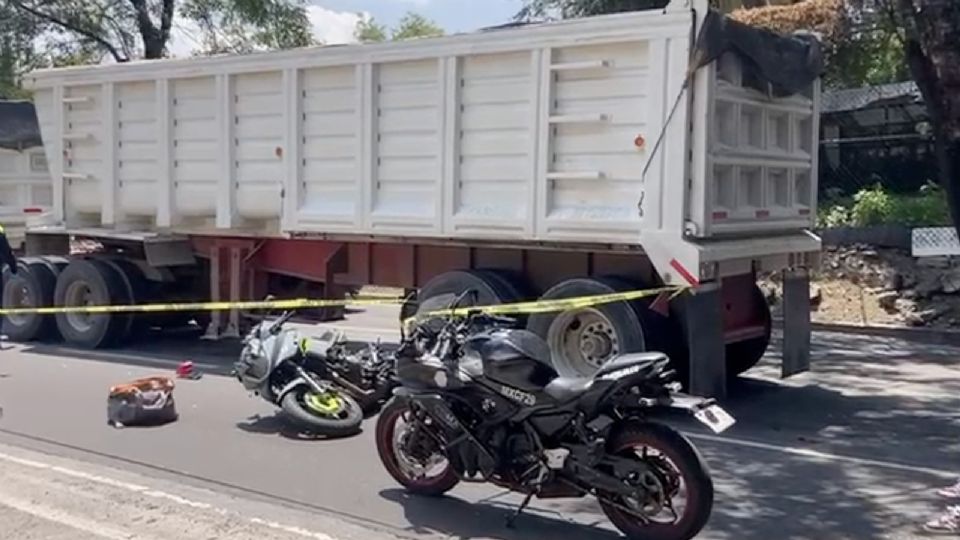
(684, 272)
(763, 213)
(719, 215)
(32, 210)
(804, 211)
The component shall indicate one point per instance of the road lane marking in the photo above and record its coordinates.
(292, 530)
(52, 514)
(47, 513)
(826, 456)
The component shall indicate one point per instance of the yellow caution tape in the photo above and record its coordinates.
(519, 308)
(547, 306)
(295, 303)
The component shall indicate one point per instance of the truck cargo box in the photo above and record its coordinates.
(614, 130)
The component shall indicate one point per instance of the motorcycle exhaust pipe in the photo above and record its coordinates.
(353, 389)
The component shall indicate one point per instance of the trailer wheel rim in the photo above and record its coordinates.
(582, 340)
(19, 298)
(78, 294)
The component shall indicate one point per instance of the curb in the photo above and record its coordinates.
(930, 336)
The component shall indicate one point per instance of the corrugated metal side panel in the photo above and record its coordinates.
(24, 183)
(494, 145)
(330, 124)
(84, 131)
(136, 154)
(195, 142)
(534, 134)
(597, 109)
(408, 105)
(258, 141)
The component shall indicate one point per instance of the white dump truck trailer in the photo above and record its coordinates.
(25, 186)
(549, 160)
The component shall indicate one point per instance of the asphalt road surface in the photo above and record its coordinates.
(850, 450)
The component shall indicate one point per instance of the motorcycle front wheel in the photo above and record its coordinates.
(331, 413)
(674, 473)
(412, 456)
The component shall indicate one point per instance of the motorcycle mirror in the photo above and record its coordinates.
(462, 297)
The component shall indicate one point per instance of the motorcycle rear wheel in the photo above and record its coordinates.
(340, 418)
(676, 451)
(394, 413)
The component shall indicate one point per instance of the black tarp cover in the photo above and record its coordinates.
(788, 64)
(18, 125)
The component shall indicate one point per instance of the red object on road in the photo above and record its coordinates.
(186, 370)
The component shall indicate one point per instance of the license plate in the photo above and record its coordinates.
(715, 418)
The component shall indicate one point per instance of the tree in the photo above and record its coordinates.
(370, 31)
(242, 26)
(411, 26)
(27, 43)
(870, 54)
(571, 9)
(127, 29)
(414, 25)
(930, 33)
(16, 50)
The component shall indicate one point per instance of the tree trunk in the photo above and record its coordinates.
(933, 32)
(154, 39)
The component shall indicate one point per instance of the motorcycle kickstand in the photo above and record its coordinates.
(512, 518)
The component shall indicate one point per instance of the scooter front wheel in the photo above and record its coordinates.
(331, 413)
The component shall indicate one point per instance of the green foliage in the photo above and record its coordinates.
(872, 206)
(411, 26)
(876, 206)
(242, 26)
(871, 53)
(370, 31)
(569, 9)
(832, 216)
(414, 25)
(83, 31)
(28, 43)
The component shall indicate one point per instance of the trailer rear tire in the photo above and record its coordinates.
(492, 286)
(744, 355)
(582, 339)
(32, 286)
(130, 279)
(89, 282)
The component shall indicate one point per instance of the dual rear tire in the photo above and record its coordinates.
(56, 281)
(32, 286)
(582, 339)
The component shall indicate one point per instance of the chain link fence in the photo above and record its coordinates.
(874, 135)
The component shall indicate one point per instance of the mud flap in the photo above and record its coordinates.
(796, 323)
(703, 332)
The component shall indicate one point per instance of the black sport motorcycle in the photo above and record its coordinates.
(480, 402)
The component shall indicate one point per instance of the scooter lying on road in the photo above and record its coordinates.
(314, 380)
(479, 402)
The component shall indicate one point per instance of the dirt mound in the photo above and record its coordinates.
(863, 285)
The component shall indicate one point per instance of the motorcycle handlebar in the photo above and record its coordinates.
(277, 324)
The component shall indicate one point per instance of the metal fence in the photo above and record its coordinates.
(875, 135)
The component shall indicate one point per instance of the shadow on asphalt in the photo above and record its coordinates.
(278, 425)
(456, 518)
(867, 397)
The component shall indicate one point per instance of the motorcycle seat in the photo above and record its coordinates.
(649, 363)
(564, 389)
